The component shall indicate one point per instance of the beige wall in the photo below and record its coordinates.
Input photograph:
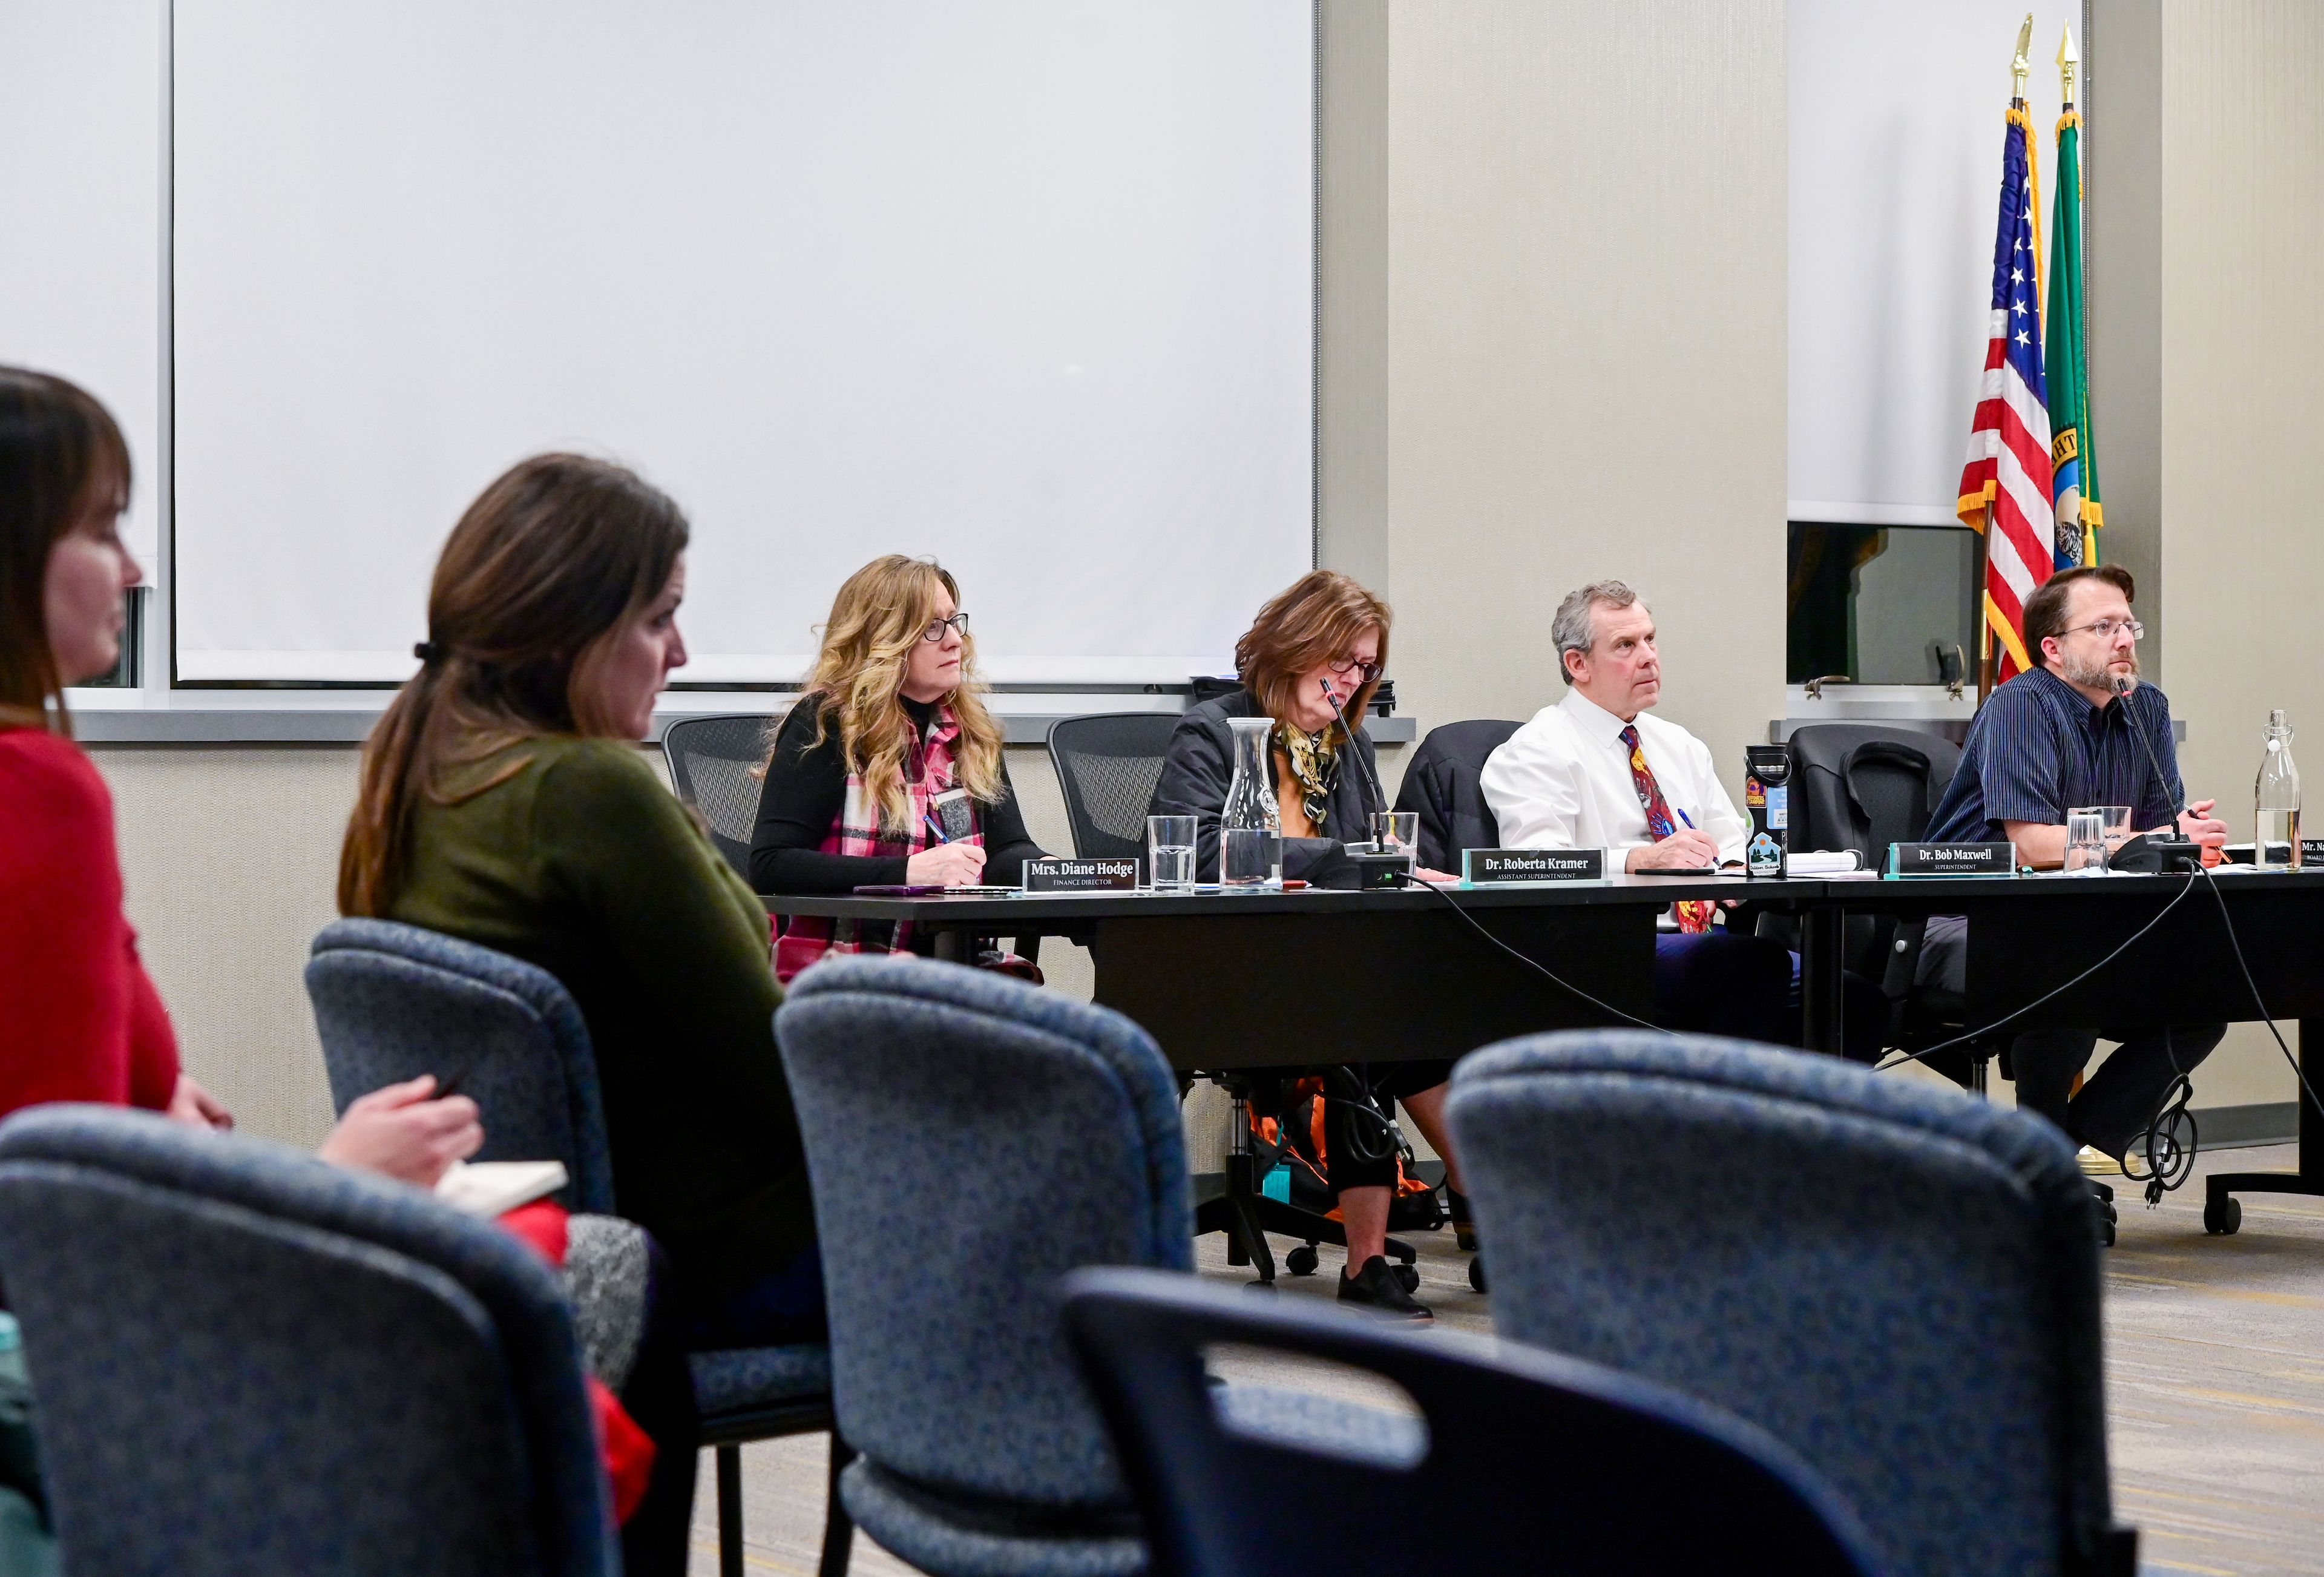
(2243, 409)
(1553, 339)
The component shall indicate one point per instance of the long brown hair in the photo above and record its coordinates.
(543, 570)
(1313, 621)
(858, 681)
(62, 456)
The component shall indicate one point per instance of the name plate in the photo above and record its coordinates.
(1068, 875)
(1479, 866)
(1951, 860)
(2311, 853)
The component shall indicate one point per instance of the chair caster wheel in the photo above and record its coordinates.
(2221, 1217)
(2106, 1233)
(1476, 1274)
(1301, 1261)
(1406, 1276)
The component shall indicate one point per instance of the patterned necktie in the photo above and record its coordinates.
(1693, 915)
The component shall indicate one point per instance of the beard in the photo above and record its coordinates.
(2098, 675)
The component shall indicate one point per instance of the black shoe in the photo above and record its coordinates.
(1464, 1225)
(1380, 1289)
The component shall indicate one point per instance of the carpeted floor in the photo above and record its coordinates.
(2215, 1375)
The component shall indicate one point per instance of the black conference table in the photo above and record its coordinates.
(1383, 976)
(1392, 975)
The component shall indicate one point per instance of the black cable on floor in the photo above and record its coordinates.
(2257, 1000)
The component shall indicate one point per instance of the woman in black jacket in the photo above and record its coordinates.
(1322, 641)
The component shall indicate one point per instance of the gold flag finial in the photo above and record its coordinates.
(2021, 67)
(2067, 63)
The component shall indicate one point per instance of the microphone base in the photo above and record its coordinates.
(2156, 855)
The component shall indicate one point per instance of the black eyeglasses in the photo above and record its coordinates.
(1348, 665)
(937, 627)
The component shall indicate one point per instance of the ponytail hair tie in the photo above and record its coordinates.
(428, 653)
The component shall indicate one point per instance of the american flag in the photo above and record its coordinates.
(2004, 488)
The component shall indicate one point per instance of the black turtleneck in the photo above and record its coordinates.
(804, 793)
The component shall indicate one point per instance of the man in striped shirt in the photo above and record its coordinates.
(2053, 738)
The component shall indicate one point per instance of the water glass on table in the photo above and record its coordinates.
(2114, 826)
(1170, 853)
(2086, 842)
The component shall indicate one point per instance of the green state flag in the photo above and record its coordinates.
(2066, 361)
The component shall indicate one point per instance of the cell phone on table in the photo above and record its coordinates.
(909, 890)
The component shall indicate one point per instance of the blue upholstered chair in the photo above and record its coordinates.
(971, 1139)
(1519, 1461)
(393, 1001)
(1898, 1282)
(250, 1362)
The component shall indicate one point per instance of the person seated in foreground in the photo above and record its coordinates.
(85, 1022)
(2055, 737)
(889, 772)
(504, 800)
(1597, 772)
(1323, 639)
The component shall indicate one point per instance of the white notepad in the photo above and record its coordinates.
(490, 1188)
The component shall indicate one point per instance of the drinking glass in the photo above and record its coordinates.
(2117, 825)
(2086, 842)
(1395, 829)
(1170, 853)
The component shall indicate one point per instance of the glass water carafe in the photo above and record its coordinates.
(2275, 800)
(1251, 831)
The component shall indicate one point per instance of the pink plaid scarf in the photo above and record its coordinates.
(927, 773)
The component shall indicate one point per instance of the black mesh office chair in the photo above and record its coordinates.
(1107, 764)
(712, 761)
(1863, 787)
(1443, 786)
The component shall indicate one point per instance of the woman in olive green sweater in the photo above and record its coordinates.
(504, 802)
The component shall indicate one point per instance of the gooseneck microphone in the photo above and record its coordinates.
(1364, 773)
(2157, 852)
(2123, 684)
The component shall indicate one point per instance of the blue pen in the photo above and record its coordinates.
(930, 818)
(1683, 817)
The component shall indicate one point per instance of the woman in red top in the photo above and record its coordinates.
(81, 1018)
(84, 1022)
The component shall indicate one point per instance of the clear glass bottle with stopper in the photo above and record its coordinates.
(2275, 801)
(1250, 829)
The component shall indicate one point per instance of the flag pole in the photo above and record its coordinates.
(2021, 67)
(1984, 623)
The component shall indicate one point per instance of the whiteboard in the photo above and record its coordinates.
(1896, 130)
(1028, 287)
(80, 183)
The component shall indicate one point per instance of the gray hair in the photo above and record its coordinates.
(1575, 627)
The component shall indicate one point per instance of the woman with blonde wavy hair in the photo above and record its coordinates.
(889, 772)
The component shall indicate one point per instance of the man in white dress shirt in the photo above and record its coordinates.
(1596, 771)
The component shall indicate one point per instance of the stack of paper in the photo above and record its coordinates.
(490, 1188)
(1820, 863)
